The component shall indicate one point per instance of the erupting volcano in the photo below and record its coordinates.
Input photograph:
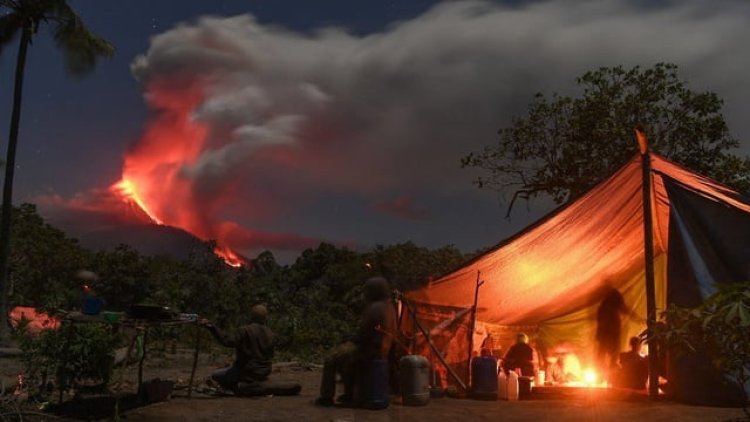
(154, 178)
(187, 172)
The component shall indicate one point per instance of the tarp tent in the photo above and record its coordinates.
(550, 277)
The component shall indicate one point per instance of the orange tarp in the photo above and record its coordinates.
(552, 274)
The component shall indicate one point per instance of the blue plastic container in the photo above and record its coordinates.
(484, 378)
(92, 305)
(414, 377)
(376, 389)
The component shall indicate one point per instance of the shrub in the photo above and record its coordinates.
(73, 354)
(719, 329)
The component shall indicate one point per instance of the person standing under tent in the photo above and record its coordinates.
(609, 329)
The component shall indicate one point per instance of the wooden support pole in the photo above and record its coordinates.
(140, 363)
(434, 348)
(195, 358)
(648, 234)
(131, 344)
(473, 325)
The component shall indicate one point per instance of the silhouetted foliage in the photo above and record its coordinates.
(71, 354)
(565, 145)
(719, 328)
(80, 47)
(314, 303)
(43, 262)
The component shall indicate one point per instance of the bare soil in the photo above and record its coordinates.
(206, 405)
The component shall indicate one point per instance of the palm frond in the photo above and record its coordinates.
(81, 47)
(10, 4)
(10, 26)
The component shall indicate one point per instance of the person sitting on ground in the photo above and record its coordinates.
(340, 361)
(254, 344)
(556, 369)
(633, 370)
(520, 355)
(372, 341)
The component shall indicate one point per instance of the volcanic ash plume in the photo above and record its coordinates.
(183, 172)
(251, 124)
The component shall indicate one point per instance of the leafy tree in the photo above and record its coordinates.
(409, 266)
(321, 289)
(213, 287)
(43, 263)
(565, 145)
(80, 47)
(124, 277)
(166, 279)
(339, 268)
(314, 303)
(719, 328)
(264, 264)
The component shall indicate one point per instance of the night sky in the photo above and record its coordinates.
(342, 121)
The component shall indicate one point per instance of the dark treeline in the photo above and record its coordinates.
(314, 303)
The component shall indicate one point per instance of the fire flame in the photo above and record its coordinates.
(577, 375)
(589, 377)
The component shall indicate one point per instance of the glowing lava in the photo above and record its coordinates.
(229, 257)
(126, 190)
(154, 178)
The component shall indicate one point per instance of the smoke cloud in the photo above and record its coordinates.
(252, 122)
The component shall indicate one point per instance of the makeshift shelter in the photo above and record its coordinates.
(549, 279)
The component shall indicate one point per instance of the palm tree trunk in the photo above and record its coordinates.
(10, 165)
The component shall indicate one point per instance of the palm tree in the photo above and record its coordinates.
(80, 47)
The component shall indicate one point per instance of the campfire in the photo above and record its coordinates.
(573, 374)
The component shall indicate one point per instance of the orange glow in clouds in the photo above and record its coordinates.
(154, 179)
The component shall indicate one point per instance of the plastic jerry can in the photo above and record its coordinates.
(502, 385)
(513, 386)
(414, 377)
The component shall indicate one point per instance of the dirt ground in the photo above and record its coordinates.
(206, 405)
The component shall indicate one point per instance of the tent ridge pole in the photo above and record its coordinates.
(648, 241)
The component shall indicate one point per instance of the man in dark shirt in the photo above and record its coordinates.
(633, 370)
(372, 341)
(254, 350)
(520, 355)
